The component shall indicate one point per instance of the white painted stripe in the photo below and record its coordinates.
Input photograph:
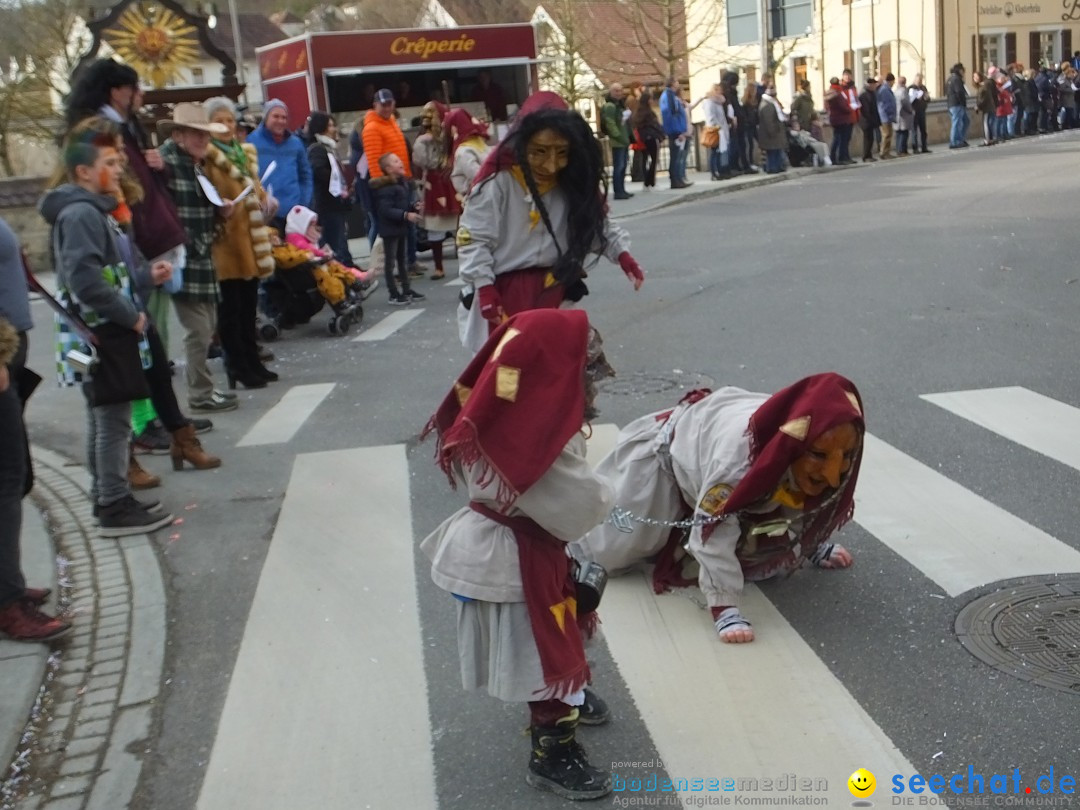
(456, 281)
(803, 720)
(326, 704)
(281, 422)
(957, 538)
(1035, 421)
(388, 325)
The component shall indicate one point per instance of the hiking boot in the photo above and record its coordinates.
(215, 403)
(36, 596)
(22, 621)
(139, 478)
(153, 440)
(126, 517)
(594, 711)
(558, 763)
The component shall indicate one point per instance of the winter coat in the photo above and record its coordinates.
(383, 135)
(391, 205)
(322, 201)
(1005, 102)
(905, 111)
(291, 180)
(154, 220)
(772, 130)
(241, 249)
(838, 106)
(868, 112)
(802, 108)
(613, 125)
(672, 113)
(886, 104)
(986, 97)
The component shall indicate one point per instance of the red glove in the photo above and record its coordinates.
(490, 304)
(632, 269)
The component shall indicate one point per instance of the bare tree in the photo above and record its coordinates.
(664, 33)
(41, 43)
(564, 35)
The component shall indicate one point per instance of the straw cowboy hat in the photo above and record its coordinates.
(190, 115)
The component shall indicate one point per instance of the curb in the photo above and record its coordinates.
(100, 702)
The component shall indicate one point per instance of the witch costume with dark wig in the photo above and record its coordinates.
(519, 245)
(511, 431)
(746, 486)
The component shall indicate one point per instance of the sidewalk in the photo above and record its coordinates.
(90, 697)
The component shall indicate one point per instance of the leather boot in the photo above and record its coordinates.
(139, 478)
(186, 447)
(558, 762)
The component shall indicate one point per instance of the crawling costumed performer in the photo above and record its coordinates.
(763, 480)
(511, 432)
(536, 219)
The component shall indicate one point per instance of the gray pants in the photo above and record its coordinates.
(108, 438)
(199, 319)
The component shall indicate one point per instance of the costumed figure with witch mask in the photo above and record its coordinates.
(519, 247)
(511, 431)
(746, 486)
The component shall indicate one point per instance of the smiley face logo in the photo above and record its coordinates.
(862, 784)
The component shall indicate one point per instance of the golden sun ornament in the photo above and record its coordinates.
(154, 41)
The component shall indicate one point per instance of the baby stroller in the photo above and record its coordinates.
(299, 288)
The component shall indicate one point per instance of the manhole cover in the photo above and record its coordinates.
(1029, 631)
(644, 383)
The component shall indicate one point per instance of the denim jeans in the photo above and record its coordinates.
(619, 156)
(958, 129)
(676, 160)
(902, 136)
(989, 126)
(107, 452)
(774, 161)
(718, 161)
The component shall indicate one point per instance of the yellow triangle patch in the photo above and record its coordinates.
(797, 428)
(560, 609)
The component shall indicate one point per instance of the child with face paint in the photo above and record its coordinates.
(518, 244)
(765, 480)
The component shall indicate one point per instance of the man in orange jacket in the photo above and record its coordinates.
(383, 135)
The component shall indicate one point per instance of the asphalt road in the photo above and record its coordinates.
(938, 273)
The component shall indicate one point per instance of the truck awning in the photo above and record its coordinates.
(419, 66)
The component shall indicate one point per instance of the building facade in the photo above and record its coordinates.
(818, 39)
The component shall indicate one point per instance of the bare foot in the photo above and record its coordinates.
(737, 635)
(732, 626)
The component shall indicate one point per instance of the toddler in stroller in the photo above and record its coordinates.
(306, 276)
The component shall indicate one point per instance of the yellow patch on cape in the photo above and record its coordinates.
(715, 499)
(462, 392)
(463, 237)
(560, 609)
(507, 379)
(510, 334)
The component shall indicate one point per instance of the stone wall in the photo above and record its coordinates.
(18, 207)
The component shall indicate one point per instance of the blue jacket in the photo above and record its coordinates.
(291, 180)
(886, 104)
(672, 114)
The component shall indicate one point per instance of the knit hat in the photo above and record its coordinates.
(299, 220)
(217, 103)
(271, 104)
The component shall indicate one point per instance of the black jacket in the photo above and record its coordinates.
(868, 113)
(391, 205)
(322, 201)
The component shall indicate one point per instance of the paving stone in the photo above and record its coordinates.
(146, 659)
(85, 745)
(75, 765)
(104, 681)
(63, 708)
(107, 695)
(70, 785)
(92, 728)
(96, 712)
(70, 803)
(107, 667)
(120, 609)
(120, 769)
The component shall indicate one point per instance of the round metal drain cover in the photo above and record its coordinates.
(1029, 631)
(645, 383)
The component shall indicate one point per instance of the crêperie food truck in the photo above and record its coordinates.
(340, 71)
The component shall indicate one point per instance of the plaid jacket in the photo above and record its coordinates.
(199, 217)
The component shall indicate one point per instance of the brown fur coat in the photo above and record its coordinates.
(242, 248)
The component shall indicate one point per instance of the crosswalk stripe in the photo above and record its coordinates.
(456, 281)
(280, 423)
(388, 325)
(955, 537)
(695, 706)
(326, 704)
(1035, 421)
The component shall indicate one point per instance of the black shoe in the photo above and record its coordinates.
(399, 300)
(625, 196)
(202, 425)
(265, 355)
(680, 185)
(215, 403)
(259, 370)
(559, 764)
(413, 295)
(925, 151)
(126, 517)
(154, 439)
(246, 378)
(594, 711)
(153, 507)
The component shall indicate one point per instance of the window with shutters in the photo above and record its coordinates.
(742, 22)
(790, 18)
(1046, 50)
(990, 53)
(865, 65)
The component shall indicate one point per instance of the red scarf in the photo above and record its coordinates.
(512, 411)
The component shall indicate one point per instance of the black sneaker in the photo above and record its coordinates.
(126, 517)
(413, 295)
(154, 439)
(399, 300)
(202, 425)
(153, 507)
(215, 403)
(594, 711)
